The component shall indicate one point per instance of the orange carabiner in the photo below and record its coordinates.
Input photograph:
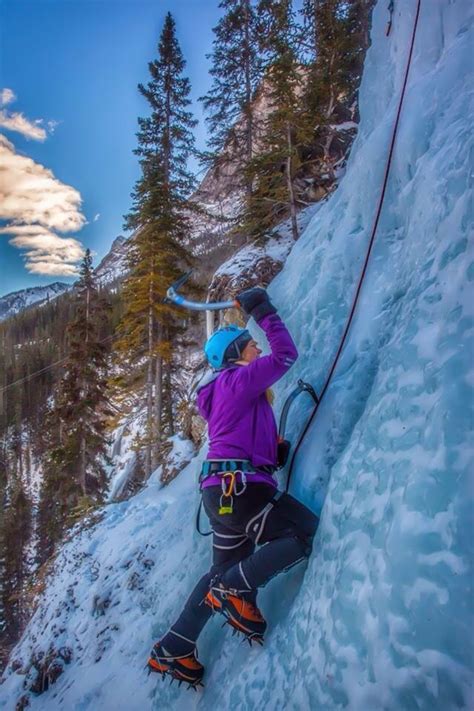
(229, 491)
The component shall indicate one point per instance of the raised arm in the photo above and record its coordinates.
(255, 378)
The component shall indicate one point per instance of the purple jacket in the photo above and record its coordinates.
(240, 419)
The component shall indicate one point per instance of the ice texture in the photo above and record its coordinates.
(382, 616)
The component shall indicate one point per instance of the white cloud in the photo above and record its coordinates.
(36, 205)
(50, 254)
(6, 96)
(20, 124)
(96, 217)
(30, 194)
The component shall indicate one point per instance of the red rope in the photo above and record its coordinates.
(369, 248)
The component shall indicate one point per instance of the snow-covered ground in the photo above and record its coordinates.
(382, 616)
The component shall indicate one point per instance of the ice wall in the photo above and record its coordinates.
(382, 617)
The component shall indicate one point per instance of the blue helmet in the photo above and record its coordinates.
(226, 345)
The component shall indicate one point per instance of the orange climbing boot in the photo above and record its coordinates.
(185, 668)
(240, 614)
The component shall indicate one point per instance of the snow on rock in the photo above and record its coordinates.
(178, 453)
(382, 616)
(345, 126)
(258, 263)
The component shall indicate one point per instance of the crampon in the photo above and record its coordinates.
(185, 668)
(240, 614)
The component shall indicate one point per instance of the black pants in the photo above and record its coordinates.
(284, 529)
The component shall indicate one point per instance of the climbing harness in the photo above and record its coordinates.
(369, 250)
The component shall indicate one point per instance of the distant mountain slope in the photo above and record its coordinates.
(13, 303)
(113, 266)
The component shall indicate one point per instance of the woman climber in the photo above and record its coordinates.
(239, 492)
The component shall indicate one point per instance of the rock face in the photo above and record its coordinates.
(113, 265)
(17, 301)
(256, 263)
(221, 192)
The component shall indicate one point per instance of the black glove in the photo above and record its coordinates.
(255, 302)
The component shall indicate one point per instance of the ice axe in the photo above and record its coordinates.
(173, 297)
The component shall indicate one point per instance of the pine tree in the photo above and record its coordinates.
(335, 40)
(15, 531)
(76, 439)
(159, 216)
(237, 70)
(3, 505)
(59, 493)
(273, 169)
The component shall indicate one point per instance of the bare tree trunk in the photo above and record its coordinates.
(248, 93)
(3, 399)
(169, 399)
(83, 443)
(149, 387)
(289, 182)
(28, 456)
(82, 474)
(248, 108)
(329, 111)
(327, 154)
(20, 453)
(88, 305)
(315, 26)
(158, 405)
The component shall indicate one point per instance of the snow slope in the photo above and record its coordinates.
(381, 618)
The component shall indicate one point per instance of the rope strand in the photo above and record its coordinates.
(368, 253)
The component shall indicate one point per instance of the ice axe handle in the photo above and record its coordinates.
(172, 297)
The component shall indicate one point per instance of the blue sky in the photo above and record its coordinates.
(73, 67)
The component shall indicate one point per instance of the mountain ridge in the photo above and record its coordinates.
(16, 301)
